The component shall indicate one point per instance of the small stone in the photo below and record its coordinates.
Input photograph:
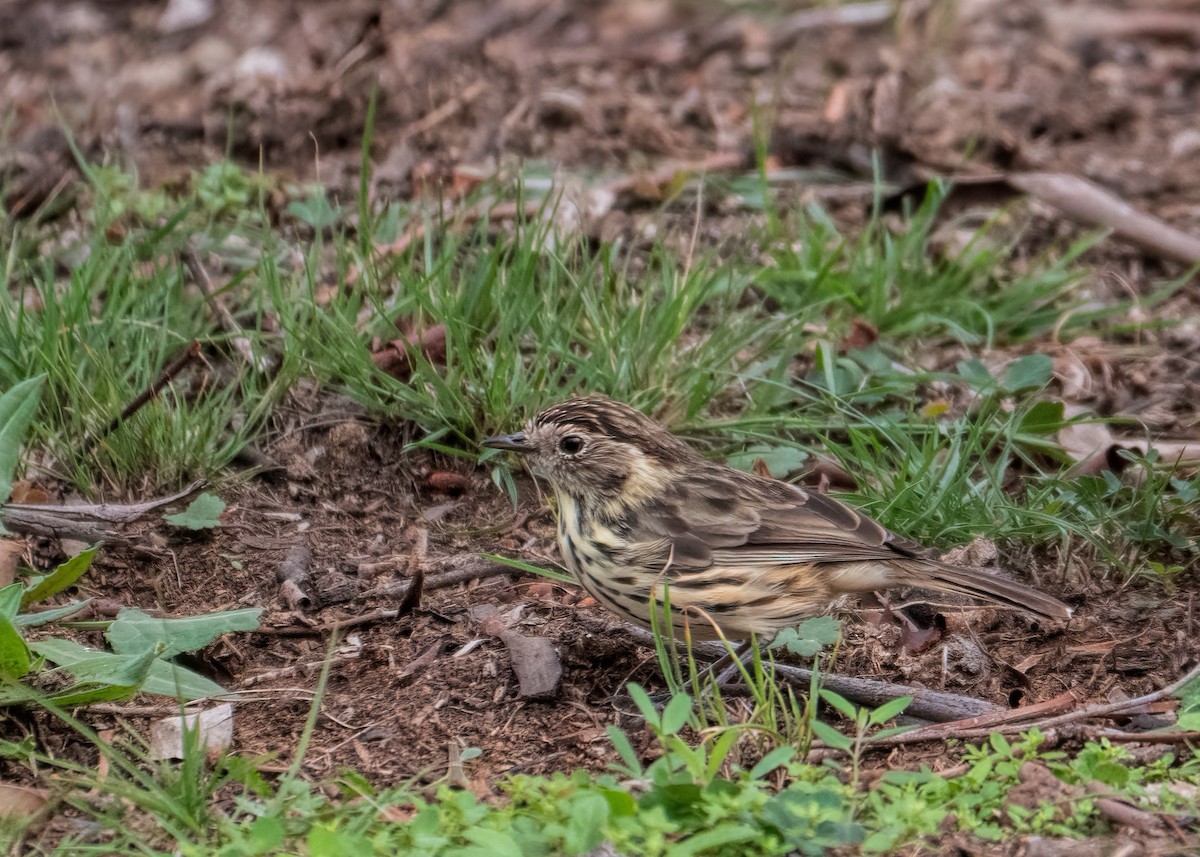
(184, 14)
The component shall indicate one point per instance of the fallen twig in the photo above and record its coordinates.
(225, 318)
(1125, 706)
(983, 725)
(444, 111)
(1020, 720)
(381, 614)
(927, 704)
(466, 566)
(1083, 200)
(89, 523)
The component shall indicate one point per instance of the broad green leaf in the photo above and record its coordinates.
(780, 460)
(711, 840)
(1031, 372)
(89, 693)
(168, 679)
(719, 752)
(88, 665)
(14, 654)
(496, 842)
(10, 601)
(1042, 418)
(134, 631)
(45, 617)
(331, 840)
(888, 710)
(624, 749)
(203, 513)
(843, 705)
(17, 409)
(676, 714)
(975, 373)
(771, 761)
(265, 835)
(585, 825)
(645, 705)
(62, 577)
(831, 736)
(620, 803)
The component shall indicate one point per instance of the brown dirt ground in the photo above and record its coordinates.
(624, 85)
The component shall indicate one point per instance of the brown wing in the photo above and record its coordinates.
(747, 519)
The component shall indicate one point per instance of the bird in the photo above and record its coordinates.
(643, 517)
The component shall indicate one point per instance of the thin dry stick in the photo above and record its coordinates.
(473, 568)
(85, 522)
(1086, 713)
(225, 318)
(1112, 708)
(927, 704)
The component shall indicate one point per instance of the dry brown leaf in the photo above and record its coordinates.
(24, 491)
(395, 358)
(1082, 441)
(20, 802)
(10, 558)
(447, 482)
(1029, 663)
(862, 333)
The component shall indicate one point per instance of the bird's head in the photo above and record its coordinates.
(595, 448)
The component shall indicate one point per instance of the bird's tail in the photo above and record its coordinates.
(977, 583)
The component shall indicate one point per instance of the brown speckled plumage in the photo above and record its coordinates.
(638, 508)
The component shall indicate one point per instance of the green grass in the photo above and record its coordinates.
(690, 800)
(708, 343)
(907, 286)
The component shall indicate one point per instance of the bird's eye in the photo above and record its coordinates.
(571, 444)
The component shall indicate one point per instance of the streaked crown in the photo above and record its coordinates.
(591, 446)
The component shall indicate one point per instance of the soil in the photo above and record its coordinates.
(626, 86)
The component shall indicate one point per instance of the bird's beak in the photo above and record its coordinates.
(514, 442)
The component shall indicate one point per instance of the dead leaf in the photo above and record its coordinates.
(24, 491)
(1092, 447)
(536, 663)
(1076, 197)
(447, 482)
(1029, 663)
(10, 558)
(836, 103)
(825, 474)
(395, 358)
(1108, 24)
(21, 802)
(862, 333)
